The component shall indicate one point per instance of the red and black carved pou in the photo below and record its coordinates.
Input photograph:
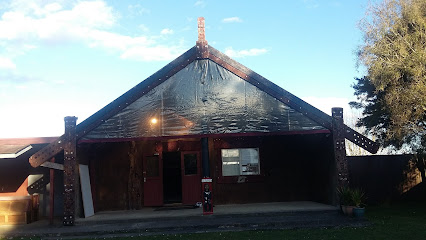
(338, 129)
(70, 164)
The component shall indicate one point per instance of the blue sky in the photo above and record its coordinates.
(71, 58)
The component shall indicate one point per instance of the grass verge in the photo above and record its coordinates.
(396, 221)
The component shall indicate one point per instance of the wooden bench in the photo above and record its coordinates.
(15, 210)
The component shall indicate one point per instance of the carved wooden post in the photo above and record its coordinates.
(52, 194)
(135, 179)
(70, 163)
(202, 44)
(339, 147)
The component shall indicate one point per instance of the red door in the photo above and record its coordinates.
(191, 177)
(153, 181)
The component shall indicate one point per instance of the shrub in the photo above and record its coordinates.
(358, 197)
(345, 196)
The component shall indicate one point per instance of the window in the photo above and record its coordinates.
(190, 161)
(152, 168)
(243, 161)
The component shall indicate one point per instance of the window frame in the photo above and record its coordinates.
(240, 162)
(238, 178)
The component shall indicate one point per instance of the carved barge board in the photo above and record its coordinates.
(361, 140)
(47, 152)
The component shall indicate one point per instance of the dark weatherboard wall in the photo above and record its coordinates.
(293, 168)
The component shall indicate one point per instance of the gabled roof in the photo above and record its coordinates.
(199, 52)
(203, 99)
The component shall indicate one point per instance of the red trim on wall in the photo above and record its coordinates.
(219, 135)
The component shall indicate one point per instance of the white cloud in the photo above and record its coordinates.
(166, 31)
(244, 53)
(53, 7)
(6, 63)
(200, 3)
(232, 20)
(137, 9)
(36, 7)
(49, 22)
(90, 22)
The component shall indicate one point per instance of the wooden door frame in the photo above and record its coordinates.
(158, 178)
(199, 169)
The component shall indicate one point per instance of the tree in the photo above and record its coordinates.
(393, 92)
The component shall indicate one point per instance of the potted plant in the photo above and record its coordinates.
(358, 199)
(345, 197)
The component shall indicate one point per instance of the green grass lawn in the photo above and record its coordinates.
(406, 221)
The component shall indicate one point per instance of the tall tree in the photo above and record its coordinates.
(393, 94)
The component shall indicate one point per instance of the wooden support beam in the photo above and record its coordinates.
(70, 163)
(338, 130)
(53, 165)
